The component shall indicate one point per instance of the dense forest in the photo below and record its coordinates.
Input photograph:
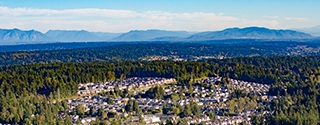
(76, 52)
(83, 45)
(27, 91)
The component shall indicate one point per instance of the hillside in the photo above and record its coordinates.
(79, 35)
(106, 35)
(315, 31)
(250, 33)
(16, 36)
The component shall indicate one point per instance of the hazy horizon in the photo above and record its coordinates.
(180, 15)
(71, 30)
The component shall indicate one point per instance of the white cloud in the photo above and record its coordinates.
(93, 19)
(87, 12)
(297, 19)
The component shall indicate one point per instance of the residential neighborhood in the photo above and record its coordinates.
(175, 57)
(130, 83)
(213, 99)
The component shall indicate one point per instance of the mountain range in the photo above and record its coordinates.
(16, 36)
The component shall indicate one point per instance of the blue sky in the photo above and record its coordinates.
(125, 15)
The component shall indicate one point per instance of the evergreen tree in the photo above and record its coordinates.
(80, 110)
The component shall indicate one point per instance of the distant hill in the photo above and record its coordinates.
(106, 35)
(79, 35)
(17, 36)
(250, 33)
(315, 31)
(145, 35)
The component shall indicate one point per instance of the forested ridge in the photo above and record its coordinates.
(136, 51)
(24, 88)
